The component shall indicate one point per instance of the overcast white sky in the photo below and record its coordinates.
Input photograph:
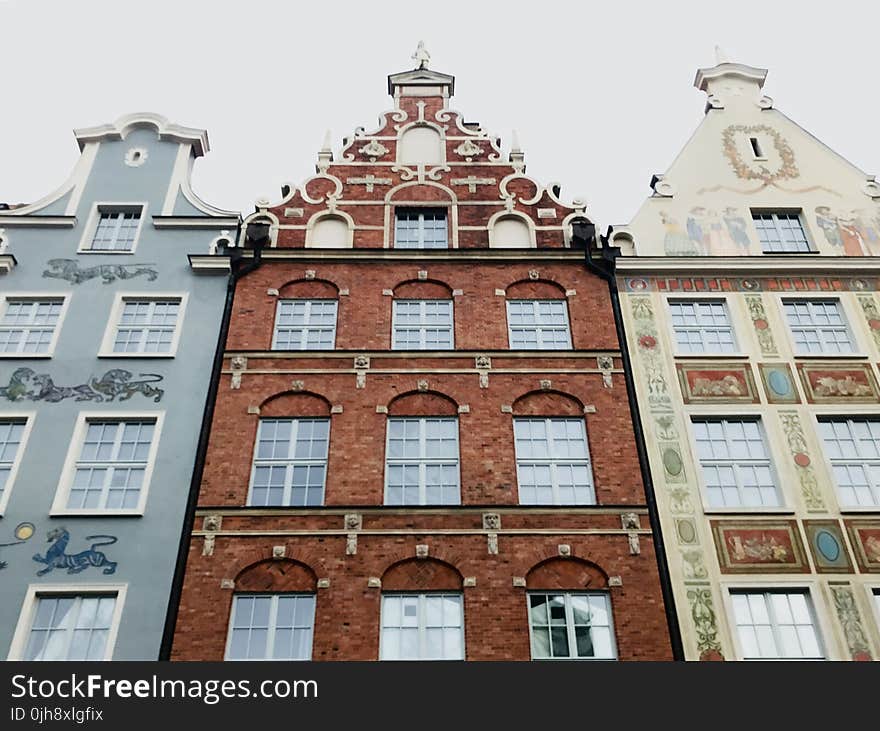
(601, 93)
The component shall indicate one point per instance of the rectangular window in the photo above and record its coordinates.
(146, 326)
(271, 627)
(28, 325)
(853, 446)
(71, 627)
(702, 326)
(116, 229)
(575, 626)
(422, 325)
(553, 462)
(538, 325)
(305, 325)
(11, 437)
(420, 228)
(774, 625)
(421, 463)
(736, 465)
(422, 627)
(290, 462)
(110, 470)
(781, 233)
(818, 326)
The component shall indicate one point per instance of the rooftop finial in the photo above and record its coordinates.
(421, 55)
(721, 56)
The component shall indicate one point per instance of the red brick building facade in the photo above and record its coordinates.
(445, 464)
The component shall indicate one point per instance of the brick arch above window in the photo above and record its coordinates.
(276, 575)
(434, 194)
(308, 289)
(421, 574)
(423, 289)
(566, 574)
(422, 403)
(535, 289)
(548, 403)
(295, 403)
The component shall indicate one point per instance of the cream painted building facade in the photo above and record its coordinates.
(749, 289)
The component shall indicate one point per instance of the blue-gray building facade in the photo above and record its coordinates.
(112, 294)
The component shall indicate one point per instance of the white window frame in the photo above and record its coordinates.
(421, 210)
(782, 584)
(59, 505)
(422, 462)
(775, 213)
(421, 626)
(696, 300)
(818, 418)
(113, 322)
(569, 623)
(856, 351)
(29, 606)
(422, 325)
(28, 417)
(305, 328)
(273, 626)
(873, 591)
(290, 461)
(553, 460)
(36, 297)
(716, 414)
(99, 207)
(538, 328)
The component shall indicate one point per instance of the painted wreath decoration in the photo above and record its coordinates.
(789, 167)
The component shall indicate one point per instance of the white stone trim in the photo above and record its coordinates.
(65, 304)
(91, 225)
(29, 417)
(59, 503)
(106, 349)
(28, 607)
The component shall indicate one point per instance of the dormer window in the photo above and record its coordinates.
(116, 228)
(421, 228)
(781, 232)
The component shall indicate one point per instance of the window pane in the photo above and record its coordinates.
(422, 461)
(305, 325)
(553, 462)
(736, 466)
(290, 462)
(853, 447)
(538, 324)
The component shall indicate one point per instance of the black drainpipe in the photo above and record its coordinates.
(584, 233)
(258, 239)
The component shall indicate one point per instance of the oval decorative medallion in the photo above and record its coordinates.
(802, 460)
(779, 383)
(828, 545)
(686, 532)
(672, 462)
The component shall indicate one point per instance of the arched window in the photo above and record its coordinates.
(290, 456)
(422, 612)
(537, 316)
(273, 612)
(329, 232)
(569, 611)
(421, 451)
(553, 464)
(511, 232)
(421, 145)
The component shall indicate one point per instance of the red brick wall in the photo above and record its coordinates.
(347, 612)
(314, 541)
(364, 317)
